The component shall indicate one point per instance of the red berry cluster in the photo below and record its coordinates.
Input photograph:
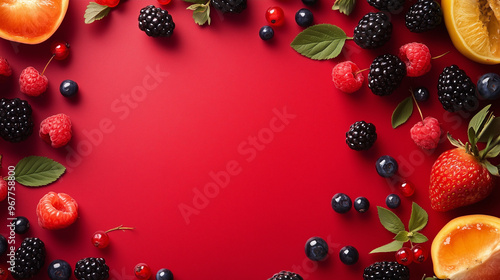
(417, 254)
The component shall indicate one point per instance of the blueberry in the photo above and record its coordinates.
(421, 94)
(488, 86)
(386, 166)
(361, 204)
(304, 17)
(393, 201)
(21, 225)
(309, 2)
(349, 255)
(3, 245)
(341, 203)
(316, 249)
(68, 88)
(59, 270)
(164, 274)
(266, 32)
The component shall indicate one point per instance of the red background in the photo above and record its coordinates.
(220, 85)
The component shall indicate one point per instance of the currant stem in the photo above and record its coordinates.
(362, 70)
(120, 227)
(416, 103)
(52, 57)
(441, 55)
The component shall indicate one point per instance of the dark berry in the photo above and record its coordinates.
(29, 258)
(164, 274)
(386, 73)
(348, 255)
(142, 271)
(386, 271)
(304, 17)
(361, 136)
(423, 16)
(386, 166)
(373, 31)
(456, 91)
(91, 269)
(309, 2)
(421, 94)
(266, 32)
(59, 270)
(68, 88)
(275, 16)
(286, 275)
(156, 22)
(420, 253)
(391, 6)
(60, 50)
(16, 121)
(361, 204)
(21, 225)
(404, 256)
(230, 6)
(316, 249)
(393, 201)
(341, 203)
(488, 86)
(3, 245)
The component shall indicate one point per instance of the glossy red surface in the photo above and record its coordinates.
(158, 123)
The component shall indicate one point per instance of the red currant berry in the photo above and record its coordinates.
(275, 16)
(142, 271)
(109, 3)
(60, 50)
(419, 253)
(407, 188)
(404, 256)
(100, 239)
(164, 2)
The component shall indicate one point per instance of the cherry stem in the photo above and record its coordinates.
(52, 57)
(441, 55)
(120, 227)
(416, 103)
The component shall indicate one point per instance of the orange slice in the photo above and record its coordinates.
(468, 248)
(474, 28)
(31, 21)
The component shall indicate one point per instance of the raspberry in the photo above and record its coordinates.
(56, 211)
(3, 189)
(56, 130)
(5, 69)
(346, 77)
(427, 133)
(417, 58)
(109, 3)
(32, 82)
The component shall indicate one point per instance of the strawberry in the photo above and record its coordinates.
(56, 211)
(463, 176)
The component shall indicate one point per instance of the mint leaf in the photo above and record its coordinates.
(95, 12)
(402, 236)
(417, 237)
(418, 218)
(201, 13)
(35, 171)
(390, 247)
(389, 220)
(344, 6)
(320, 41)
(402, 112)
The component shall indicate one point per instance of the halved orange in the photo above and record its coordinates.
(468, 248)
(31, 21)
(474, 28)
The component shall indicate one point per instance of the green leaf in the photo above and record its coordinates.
(418, 218)
(35, 171)
(455, 142)
(402, 112)
(320, 41)
(95, 12)
(402, 236)
(473, 140)
(477, 121)
(344, 6)
(494, 170)
(491, 129)
(417, 237)
(390, 221)
(196, 1)
(493, 152)
(201, 13)
(390, 247)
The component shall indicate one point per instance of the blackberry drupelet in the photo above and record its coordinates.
(230, 6)
(156, 22)
(361, 136)
(16, 122)
(423, 16)
(386, 271)
(456, 91)
(29, 258)
(91, 269)
(391, 6)
(386, 73)
(373, 30)
(286, 275)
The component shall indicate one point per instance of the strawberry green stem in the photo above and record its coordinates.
(120, 227)
(493, 145)
(52, 57)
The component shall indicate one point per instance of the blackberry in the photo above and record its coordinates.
(423, 16)
(456, 91)
(361, 136)
(91, 269)
(386, 73)
(391, 6)
(286, 275)
(29, 258)
(16, 122)
(230, 6)
(373, 30)
(386, 271)
(156, 22)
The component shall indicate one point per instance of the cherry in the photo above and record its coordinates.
(404, 256)
(275, 16)
(60, 50)
(164, 2)
(419, 253)
(142, 271)
(100, 239)
(406, 188)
